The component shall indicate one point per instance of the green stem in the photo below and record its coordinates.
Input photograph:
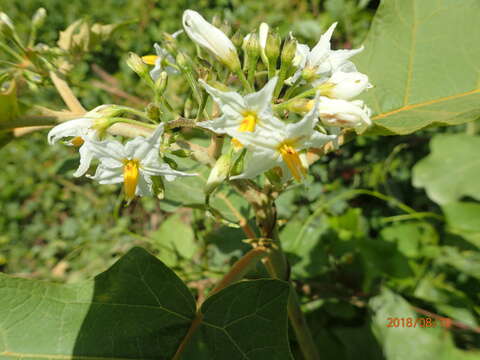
(244, 80)
(277, 266)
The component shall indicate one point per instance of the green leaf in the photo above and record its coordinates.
(413, 343)
(247, 320)
(451, 170)
(170, 247)
(137, 309)
(422, 57)
(467, 262)
(463, 219)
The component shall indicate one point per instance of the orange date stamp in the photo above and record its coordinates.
(422, 322)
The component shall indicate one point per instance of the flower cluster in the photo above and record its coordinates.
(266, 135)
(133, 163)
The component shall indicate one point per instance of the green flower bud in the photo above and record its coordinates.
(38, 18)
(252, 46)
(289, 51)
(237, 39)
(219, 172)
(161, 83)
(136, 63)
(272, 47)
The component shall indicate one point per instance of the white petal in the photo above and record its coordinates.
(262, 99)
(263, 35)
(338, 57)
(208, 36)
(144, 185)
(139, 147)
(107, 175)
(86, 157)
(163, 170)
(320, 51)
(301, 55)
(77, 127)
(257, 162)
(107, 151)
(229, 101)
(260, 139)
(304, 127)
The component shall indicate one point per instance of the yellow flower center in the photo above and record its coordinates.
(149, 59)
(130, 177)
(77, 141)
(292, 159)
(248, 124)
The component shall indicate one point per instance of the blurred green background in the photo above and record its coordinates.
(357, 225)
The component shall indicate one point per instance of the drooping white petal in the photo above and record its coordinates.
(86, 157)
(304, 127)
(208, 36)
(338, 57)
(139, 147)
(77, 127)
(144, 185)
(158, 68)
(162, 169)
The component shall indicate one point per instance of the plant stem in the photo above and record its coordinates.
(244, 80)
(66, 93)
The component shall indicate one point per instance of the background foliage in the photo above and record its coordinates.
(385, 227)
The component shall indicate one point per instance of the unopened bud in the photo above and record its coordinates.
(219, 172)
(183, 61)
(136, 63)
(272, 47)
(39, 17)
(153, 112)
(252, 46)
(301, 106)
(161, 83)
(289, 51)
(237, 39)
(6, 21)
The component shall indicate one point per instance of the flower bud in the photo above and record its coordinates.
(237, 38)
(342, 113)
(38, 18)
(211, 38)
(262, 41)
(136, 63)
(161, 82)
(289, 50)
(6, 25)
(251, 45)
(345, 85)
(219, 172)
(183, 61)
(272, 47)
(301, 105)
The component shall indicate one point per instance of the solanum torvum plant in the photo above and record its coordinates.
(269, 105)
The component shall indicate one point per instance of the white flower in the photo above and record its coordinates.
(157, 60)
(345, 85)
(79, 130)
(243, 113)
(211, 38)
(342, 113)
(133, 163)
(281, 147)
(321, 61)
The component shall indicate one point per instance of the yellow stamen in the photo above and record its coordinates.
(237, 144)
(77, 141)
(292, 159)
(130, 178)
(249, 122)
(149, 59)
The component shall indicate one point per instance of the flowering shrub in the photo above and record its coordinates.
(269, 108)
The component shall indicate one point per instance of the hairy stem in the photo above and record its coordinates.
(66, 93)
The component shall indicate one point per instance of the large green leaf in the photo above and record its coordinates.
(451, 170)
(402, 342)
(422, 57)
(249, 317)
(139, 309)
